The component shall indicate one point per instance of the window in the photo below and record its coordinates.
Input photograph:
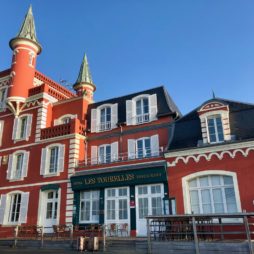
(22, 127)
(104, 118)
(105, 153)
(13, 208)
(143, 147)
(52, 159)
(14, 211)
(18, 165)
(212, 194)
(141, 109)
(3, 95)
(215, 129)
(65, 119)
(89, 206)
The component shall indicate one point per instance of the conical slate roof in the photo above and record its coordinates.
(27, 30)
(84, 73)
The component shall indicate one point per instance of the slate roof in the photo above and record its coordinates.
(187, 130)
(166, 105)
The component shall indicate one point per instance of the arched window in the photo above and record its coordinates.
(216, 192)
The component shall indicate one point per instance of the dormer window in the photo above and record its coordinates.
(215, 124)
(142, 110)
(215, 129)
(105, 119)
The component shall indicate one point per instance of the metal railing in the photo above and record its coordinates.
(121, 157)
(199, 227)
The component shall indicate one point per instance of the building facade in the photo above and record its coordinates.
(210, 159)
(67, 160)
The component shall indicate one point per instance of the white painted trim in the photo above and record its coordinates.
(185, 187)
(32, 184)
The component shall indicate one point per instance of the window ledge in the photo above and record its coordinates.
(51, 175)
(16, 179)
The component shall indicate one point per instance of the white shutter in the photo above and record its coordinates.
(28, 126)
(94, 155)
(129, 112)
(25, 164)
(93, 120)
(114, 151)
(15, 128)
(155, 145)
(131, 148)
(153, 107)
(43, 161)
(60, 162)
(1, 131)
(10, 162)
(2, 208)
(23, 207)
(114, 115)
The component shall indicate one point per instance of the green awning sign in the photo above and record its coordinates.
(130, 177)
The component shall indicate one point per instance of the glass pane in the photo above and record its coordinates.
(230, 199)
(138, 107)
(218, 201)
(194, 202)
(50, 195)
(204, 181)
(108, 116)
(49, 210)
(228, 180)
(122, 192)
(110, 209)
(103, 114)
(140, 148)
(148, 147)
(142, 190)
(206, 201)
(155, 189)
(143, 207)
(123, 209)
(215, 179)
(193, 183)
(156, 206)
(145, 106)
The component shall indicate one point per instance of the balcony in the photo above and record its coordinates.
(74, 126)
(109, 159)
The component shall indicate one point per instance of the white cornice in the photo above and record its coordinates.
(231, 150)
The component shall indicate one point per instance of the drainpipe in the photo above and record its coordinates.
(86, 146)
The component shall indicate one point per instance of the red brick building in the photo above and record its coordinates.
(67, 160)
(211, 159)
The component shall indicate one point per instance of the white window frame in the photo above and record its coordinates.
(131, 114)
(95, 156)
(104, 158)
(45, 160)
(90, 200)
(12, 165)
(225, 125)
(213, 117)
(5, 208)
(97, 125)
(144, 150)
(186, 192)
(59, 120)
(154, 147)
(16, 135)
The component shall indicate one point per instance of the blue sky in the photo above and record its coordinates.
(190, 46)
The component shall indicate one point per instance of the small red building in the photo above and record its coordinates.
(67, 160)
(210, 159)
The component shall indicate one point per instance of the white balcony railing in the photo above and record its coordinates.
(142, 118)
(104, 126)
